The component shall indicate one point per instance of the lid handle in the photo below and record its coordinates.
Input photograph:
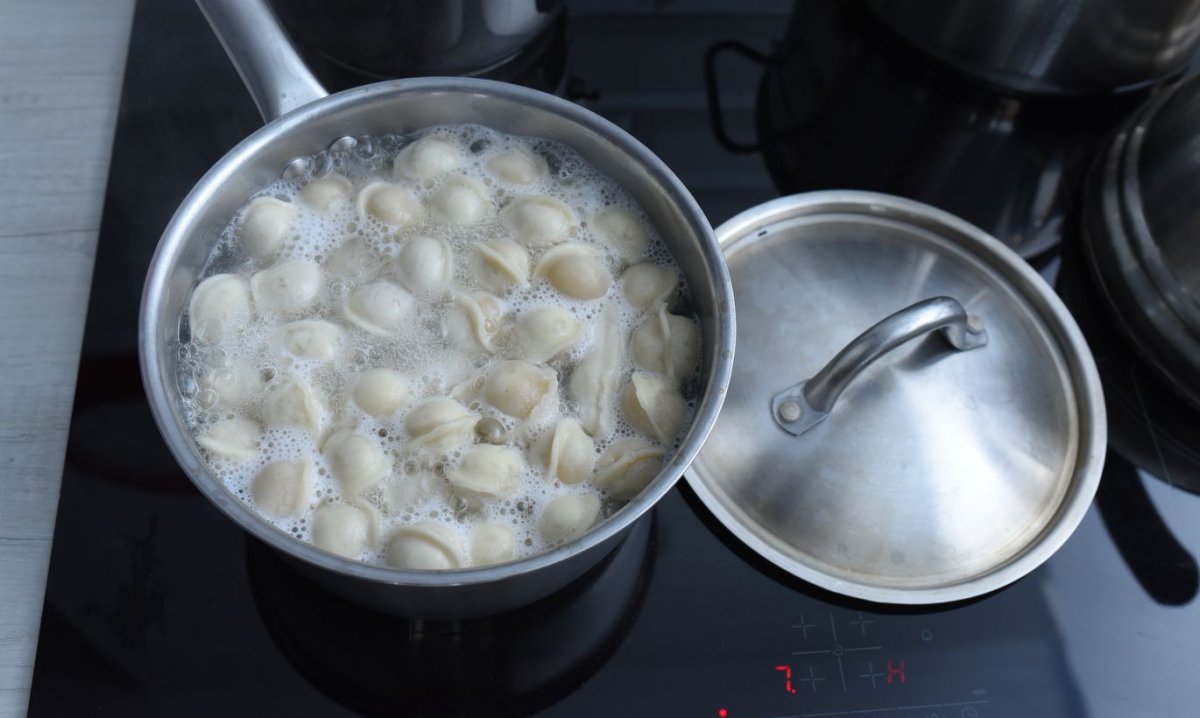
(802, 406)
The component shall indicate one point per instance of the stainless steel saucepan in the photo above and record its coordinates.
(302, 120)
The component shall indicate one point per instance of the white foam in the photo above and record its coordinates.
(433, 368)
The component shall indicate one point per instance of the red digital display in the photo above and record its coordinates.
(896, 671)
(787, 677)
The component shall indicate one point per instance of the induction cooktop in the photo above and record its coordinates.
(158, 605)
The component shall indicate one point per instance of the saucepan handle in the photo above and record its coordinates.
(270, 67)
(802, 406)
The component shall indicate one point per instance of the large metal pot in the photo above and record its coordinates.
(303, 120)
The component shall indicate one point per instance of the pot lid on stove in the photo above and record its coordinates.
(902, 468)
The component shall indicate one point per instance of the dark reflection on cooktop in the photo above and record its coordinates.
(513, 664)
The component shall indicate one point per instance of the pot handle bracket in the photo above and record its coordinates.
(271, 69)
(802, 406)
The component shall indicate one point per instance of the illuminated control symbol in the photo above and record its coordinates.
(787, 677)
(895, 672)
(722, 713)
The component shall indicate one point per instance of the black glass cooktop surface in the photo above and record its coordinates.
(158, 605)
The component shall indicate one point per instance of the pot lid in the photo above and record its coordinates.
(935, 455)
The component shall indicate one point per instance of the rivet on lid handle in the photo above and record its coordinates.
(802, 406)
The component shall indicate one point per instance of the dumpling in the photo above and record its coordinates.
(358, 462)
(229, 386)
(425, 546)
(381, 392)
(623, 232)
(517, 167)
(493, 543)
(293, 403)
(391, 204)
(500, 264)
(646, 284)
(538, 222)
(568, 517)
(487, 472)
(439, 426)
(461, 200)
(544, 332)
(425, 265)
(327, 193)
(218, 303)
(574, 270)
(343, 529)
(426, 158)
(519, 388)
(567, 452)
(473, 321)
(233, 439)
(289, 286)
(353, 260)
(667, 344)
(281, 488)
(264, 225)
(593, 384)
(311, 338)
(380, 308)
(627, 466)
(654, 407)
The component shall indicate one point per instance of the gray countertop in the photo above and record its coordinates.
(61, 64)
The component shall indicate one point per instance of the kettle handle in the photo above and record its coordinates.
(802, 406)
(272, 70)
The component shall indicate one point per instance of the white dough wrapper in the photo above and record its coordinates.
(654, 406)
(282, 488)
(390, 204)
(425, 265)
(627, 466)
(487, 472)
(567, 453)
(293, 402)
(623, 232)
(381, 392)
(538, 222)
(219, 304)
(520, 389)
(343, 529)
(326, 194)
(381, 308)
(575, 270)
(425, 546)
(667, 344)
(517, 167)
(264, 226)
(311, 339)
(286, 287)
(493, 543)
(500, 264)
(427, 158)
(568, 517)
(543, 333)
(647, 284)
(593, 385)
(358, 462)
(461, 200)
(232, 439)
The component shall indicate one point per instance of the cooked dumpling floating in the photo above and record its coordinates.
(543, 333)
(472, 322)
(343, 529)
(381, 392)
(229, 386)
(391, 204)
(326, 194)
(493, 543)
(352, 260)
(654, 407)
(381, 308)
(461, 200)
(593, 384)
(647, 284)
(357, 461)
(233, 439)
(219, 303)
(281, 489)
(427, 158)
(667, 344)
(286, 287)
(623, 232)
(627, 466)
(487, 472)
(568, 517)
(264, 226)
(517, 166)
(538, 222)
(440, 426)
(427, 546)
(520, 388)
(293, 403)
(500, 264)
(567, 453)
(311, 338)
(575, 270)
(425, 265)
